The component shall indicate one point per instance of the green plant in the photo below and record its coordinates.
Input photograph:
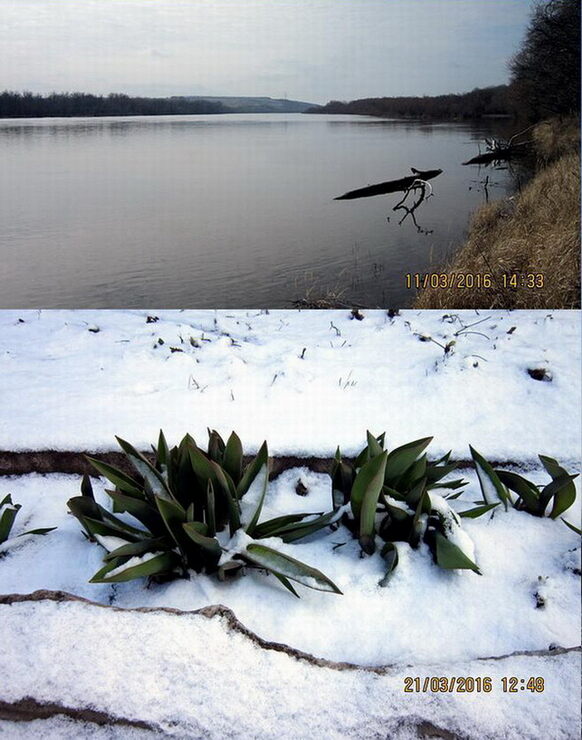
(560, 492)
(184, 498)
(8, 512)
(391, 495)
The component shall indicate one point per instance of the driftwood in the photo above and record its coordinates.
(500, 154)
(502, 150)
(391, 186)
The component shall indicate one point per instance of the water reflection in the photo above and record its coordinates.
(229, 210)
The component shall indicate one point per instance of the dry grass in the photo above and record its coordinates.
(535, 232)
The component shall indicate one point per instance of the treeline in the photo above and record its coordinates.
(30, 105)
(490, 101)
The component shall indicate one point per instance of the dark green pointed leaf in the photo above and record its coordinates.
(365, 495)
(87, 487)
(524, 488)
(491, 486)
(158, 564)
(370, 477)
(266, 557)
(478, 511)
(210, 510)
(216, 446)
(41, 531)
(451, 557)
(210, 544)
(287, 583)
(233, 457)
(374, 447)
(7, 518)
(390, 555)
(119, 479)
(137, 548)
(139, 508)
(174, 516)
(563, 491)
(572, 527)
(294, 532)
(400, 459)
(251, 527)
(154, 478)
(252, 470)
(271, 526)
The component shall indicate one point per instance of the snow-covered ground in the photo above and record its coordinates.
(425, 615)
(305, 380)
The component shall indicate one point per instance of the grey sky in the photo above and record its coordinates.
(312, 50)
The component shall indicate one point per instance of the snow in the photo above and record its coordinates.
(425, 615)
(67, 386)
(172, 680)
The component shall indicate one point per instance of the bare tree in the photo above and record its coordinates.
(546, 71)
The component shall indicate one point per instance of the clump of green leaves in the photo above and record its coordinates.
(392, 495)
(511, 489)
(8, 512)
(184, 498)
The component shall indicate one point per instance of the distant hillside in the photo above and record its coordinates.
(489, 101)
(234, 104)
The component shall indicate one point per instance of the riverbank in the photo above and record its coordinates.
(528, 244)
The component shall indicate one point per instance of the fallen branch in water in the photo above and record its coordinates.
(422, 188)
(403, 184)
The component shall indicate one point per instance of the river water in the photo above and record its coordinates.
(226, 211)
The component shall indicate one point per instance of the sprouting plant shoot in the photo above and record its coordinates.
(8, 512)
(182, 499)
(392, 495)
(511, 489)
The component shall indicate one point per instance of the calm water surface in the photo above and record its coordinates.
(224, 211)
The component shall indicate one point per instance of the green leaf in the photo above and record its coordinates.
(251, 527)
(374, 447)
(196, 534)
(369, 477)
(283, 565)
(160, 563)
(572, 527)
(163, 452)
(252, 470)
(278, 524)
(154, 478)
(233, 457)
(215, 446)
(478, 511)
(489, 480)
(119, 479)
(7, 518)
(137, 548)
(87, 487)
(174, 516)
(524, 488)
(287, 583)
(390, 554)
(563, 491)
(138, 508)
(206, 470)
(364, 500)
(566, 495)
(552, 466)
(400, 459)
(451, 557)
(41, 531)
(292, 533)
(210, 510)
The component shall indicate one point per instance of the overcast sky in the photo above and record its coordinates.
(313, 50)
